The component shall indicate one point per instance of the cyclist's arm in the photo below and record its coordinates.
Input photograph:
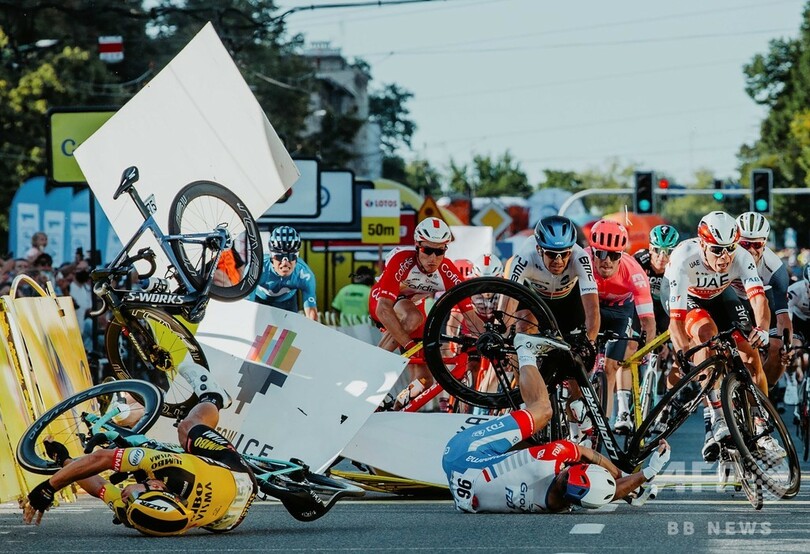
(307, 287)
(85, 471)
(388, 317)
(762, 313)
(589, 455)
(590, 302)
(648, 326)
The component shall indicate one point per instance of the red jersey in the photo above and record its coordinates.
(630, 282)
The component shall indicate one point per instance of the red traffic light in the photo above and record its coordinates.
(663, 183)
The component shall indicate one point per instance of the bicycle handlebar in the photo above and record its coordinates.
(683, 357)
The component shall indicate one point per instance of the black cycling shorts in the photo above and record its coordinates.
(618, 319)
(208, 443)
(725, 308)
(567, 310)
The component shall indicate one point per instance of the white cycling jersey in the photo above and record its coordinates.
(799, 300)
(774, 276)
(527, 267)
(688, 275)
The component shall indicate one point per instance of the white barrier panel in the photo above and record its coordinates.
(408, 445)
(197, 119)
(299, 388)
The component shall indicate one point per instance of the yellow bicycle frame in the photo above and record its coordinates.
(632, 364)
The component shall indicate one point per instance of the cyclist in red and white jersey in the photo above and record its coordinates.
(410, 276)
(623, 288)
(700, 300)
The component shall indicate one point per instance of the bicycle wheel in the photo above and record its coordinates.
(200, 207)
(647, 392)
(506, 307)
(599, 383)
(680, 402)
(65, 422)
(780, 475)
(162, 343)
(749, 482)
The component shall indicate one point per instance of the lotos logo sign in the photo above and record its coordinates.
(270, 360)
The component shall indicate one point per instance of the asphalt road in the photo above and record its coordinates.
(691, 514)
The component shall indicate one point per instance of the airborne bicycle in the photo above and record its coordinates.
(213, 250)
(87, 420)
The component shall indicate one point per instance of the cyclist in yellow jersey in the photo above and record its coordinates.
(207, 486)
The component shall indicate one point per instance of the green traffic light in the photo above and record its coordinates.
(761, 205)
(644, 205)
(718, 196)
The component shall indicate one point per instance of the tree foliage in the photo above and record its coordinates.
(489, 177)
(780, 80)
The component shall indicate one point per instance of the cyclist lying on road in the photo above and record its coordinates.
(485, 476)
(210, 486)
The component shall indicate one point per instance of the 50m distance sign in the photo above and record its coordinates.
(379, 216)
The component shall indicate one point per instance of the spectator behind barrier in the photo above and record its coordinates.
(352, 300)
(39, 241)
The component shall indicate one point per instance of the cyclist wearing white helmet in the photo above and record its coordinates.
(410, 276)
(487, 475)
(799, 304)
(754, 232)
(487, 265)
(284, 274)
(208, 486)
(700, 300)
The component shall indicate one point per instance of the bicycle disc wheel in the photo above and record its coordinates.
(166, 343)
(682, 400)
(749, 482)
(496, 300)
(806, 438)
(65, 422)
(779, 475)
(200, 207)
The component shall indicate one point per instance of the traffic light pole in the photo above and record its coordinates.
(672, 192)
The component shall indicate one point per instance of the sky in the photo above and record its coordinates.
(567, 85)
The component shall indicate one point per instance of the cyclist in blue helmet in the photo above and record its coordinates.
(558, 269)
(284, 274)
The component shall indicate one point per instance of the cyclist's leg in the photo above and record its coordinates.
(212, 399)
(618, 319)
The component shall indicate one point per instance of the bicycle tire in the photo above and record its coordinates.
(177, 342)
(199, 208)
(63, 423)
(493, 344)
(700, 375)
(749, 484)
(806, 438)
(647, 392)
(737, 411)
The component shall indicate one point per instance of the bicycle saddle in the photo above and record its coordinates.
(129, 177)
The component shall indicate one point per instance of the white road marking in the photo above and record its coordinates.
(587, 529)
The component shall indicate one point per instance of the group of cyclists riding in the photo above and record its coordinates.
(694, 288)
(724, 276)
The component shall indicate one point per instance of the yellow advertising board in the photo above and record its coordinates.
(379, 216)
(68, 129)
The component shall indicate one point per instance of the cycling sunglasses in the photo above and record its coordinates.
(660, 250)
(281, 256)
(430, 251)
(720, 250)
(604, 254)
(556, 254)
(756, 245)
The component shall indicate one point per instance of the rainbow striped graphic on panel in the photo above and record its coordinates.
(269, 361)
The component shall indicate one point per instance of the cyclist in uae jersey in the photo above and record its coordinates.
(754, 231)
(207, 486)
(623, 290)
(559, 270)
(284, 274)
(486, 474)
(697, 282)
(799, 304)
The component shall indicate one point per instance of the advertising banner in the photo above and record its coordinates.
(299, 388)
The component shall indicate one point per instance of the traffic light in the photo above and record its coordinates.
(643, 197)
(718, 190)
(761, 185)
